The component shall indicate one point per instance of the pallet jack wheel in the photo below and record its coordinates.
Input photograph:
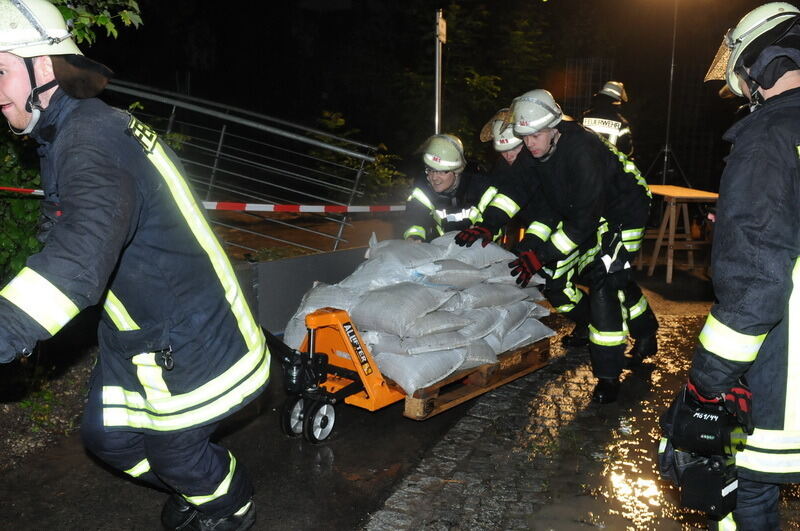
(292, 416)
(318, 421)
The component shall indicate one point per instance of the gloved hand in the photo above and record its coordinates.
(469, 236)
(525, 267)
(738, 401)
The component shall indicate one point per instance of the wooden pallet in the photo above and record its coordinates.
(469, 383)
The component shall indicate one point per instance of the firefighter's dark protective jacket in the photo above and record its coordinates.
(753, 328)
(604, 118)
(582, 182)
(179, 347)
(430, 214)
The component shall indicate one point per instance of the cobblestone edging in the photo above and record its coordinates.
(486, 473)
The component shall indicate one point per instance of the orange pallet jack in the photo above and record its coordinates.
(333, 365)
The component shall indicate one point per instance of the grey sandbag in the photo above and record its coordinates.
(394, 308)
(478, 353)
(451, 273)
(420, 370)
(436, 322)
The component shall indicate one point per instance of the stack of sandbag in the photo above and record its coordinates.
(426, 310)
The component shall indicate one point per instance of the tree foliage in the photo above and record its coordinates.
(18, 166)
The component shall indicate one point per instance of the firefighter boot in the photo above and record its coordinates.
(579, 337)
(241, 520)
(642, 348)
(606, 390)
(177, 513)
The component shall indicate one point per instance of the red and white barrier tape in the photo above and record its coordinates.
(255, 207)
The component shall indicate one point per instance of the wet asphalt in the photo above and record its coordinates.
(532, 454)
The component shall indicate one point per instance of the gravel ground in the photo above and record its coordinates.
(41, 397)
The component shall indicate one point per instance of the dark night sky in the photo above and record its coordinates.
(272, 57)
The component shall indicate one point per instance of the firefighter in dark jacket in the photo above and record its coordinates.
(179, 348)
(589, 206)
(447, 198)
(750, 336)
(604, 118)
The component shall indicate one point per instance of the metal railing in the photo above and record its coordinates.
(233, 154)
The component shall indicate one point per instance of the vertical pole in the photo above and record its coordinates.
(216, 160)
(667, 147)
(441, 38)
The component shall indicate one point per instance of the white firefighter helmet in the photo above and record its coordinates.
(533, 111)
(443, 153)
(30, 28)
(753, 25)
(615, 90)
(500, 131)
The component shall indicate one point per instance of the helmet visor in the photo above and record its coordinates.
(719, 65)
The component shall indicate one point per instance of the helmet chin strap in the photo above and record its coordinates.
(552, 148)
(33, 105)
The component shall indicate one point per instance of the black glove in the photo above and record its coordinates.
(738, 401)
(525, 267)
(469, 236)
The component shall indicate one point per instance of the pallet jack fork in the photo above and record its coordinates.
(332, 365)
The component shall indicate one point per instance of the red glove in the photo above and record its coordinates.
(469, 236)
(525, 267)
(738, 401)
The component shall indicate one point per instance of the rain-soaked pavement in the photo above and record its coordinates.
(533, 454)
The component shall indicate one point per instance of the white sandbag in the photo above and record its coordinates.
(433, 342)
(499, 273)
(378, 341)
(477, 255)
(320, 296)
(451, 273)
(483, 295)
(530, 331)
(394, 308)
(295, 332)
(482, 321)
(436, 322)
(478, 353)
(405, 253)
(533, 293)
(421, 370)
(375, 274)
(513, 315)
(539, 311)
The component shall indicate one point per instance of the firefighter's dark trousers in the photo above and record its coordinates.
(756, 508)
(613, 309)
(183, 461)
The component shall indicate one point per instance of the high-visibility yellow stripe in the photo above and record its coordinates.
(40, 299)
(629, 167)
(539, 230)
(486, 198)
(222, 489)
(638, 309)
(139, 468)
(562, 242)
(134, 417)
(415, 230)
(150, 376)
(420, 196)
(607, 339)
(506, 204)
(119, 315)
(728, 343)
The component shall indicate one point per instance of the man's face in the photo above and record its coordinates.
(440, 181)
(15, 87)
(539, 143)
(744, 88)
(511, 154)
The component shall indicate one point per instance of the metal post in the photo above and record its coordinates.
(667, 147)
(216, 160)
(441, 38)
